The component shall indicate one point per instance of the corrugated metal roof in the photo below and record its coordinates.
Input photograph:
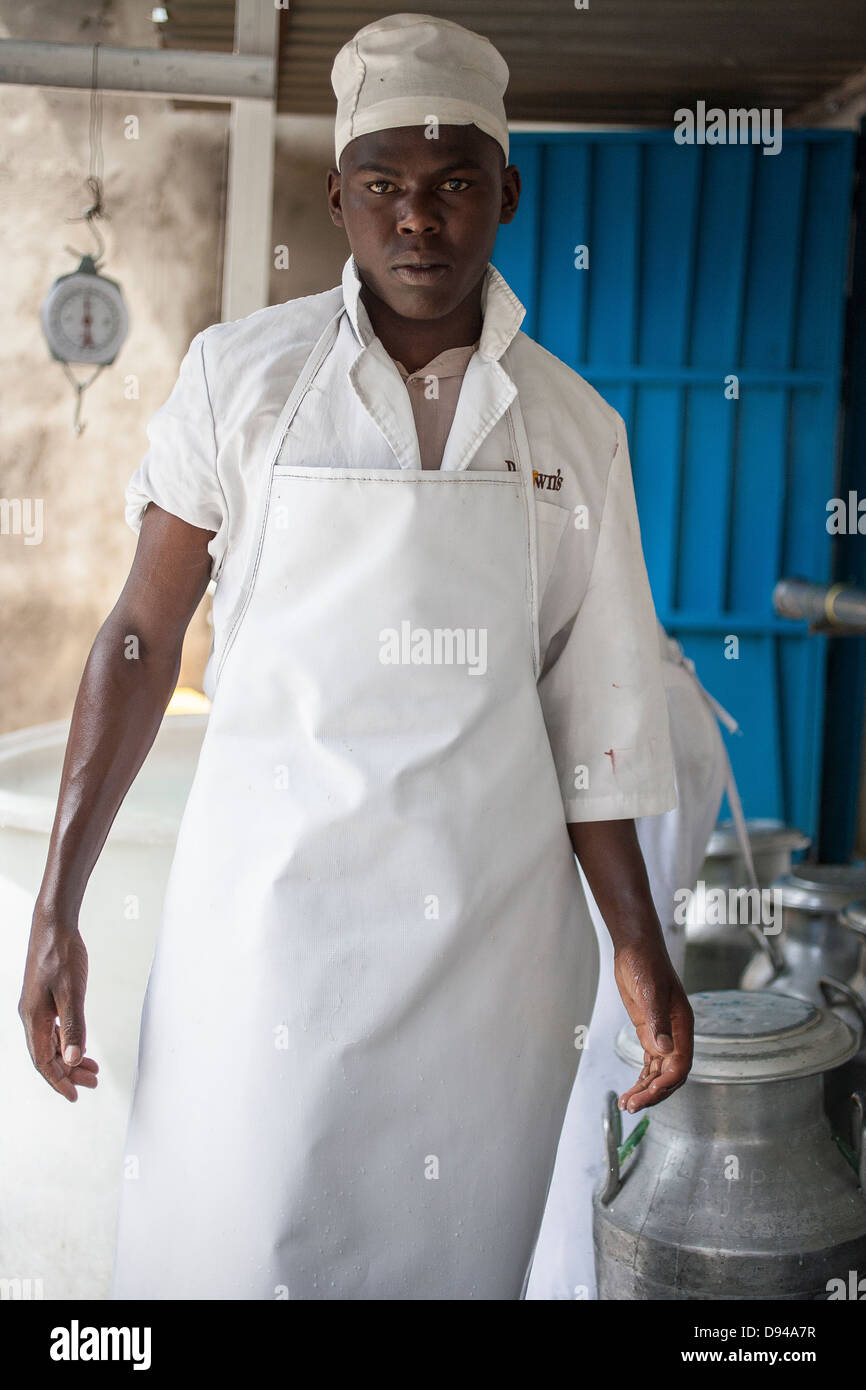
(629, 61)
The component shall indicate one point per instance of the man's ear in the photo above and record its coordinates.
(334, 185)
(510, 193)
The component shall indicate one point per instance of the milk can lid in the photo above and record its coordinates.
(757, 1035)
(821, 887)
(764, 835)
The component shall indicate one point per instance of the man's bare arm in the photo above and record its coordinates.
(128, 680)
(610, 856)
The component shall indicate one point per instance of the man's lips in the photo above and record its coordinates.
(420, 272)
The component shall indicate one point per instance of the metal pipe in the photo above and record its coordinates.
(197, 76)
(837, 608)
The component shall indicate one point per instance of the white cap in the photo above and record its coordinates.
(408, 68)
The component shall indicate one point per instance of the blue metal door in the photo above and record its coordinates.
(710, 313)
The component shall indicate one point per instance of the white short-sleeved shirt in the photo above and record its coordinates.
(601, 686)
(179, 471)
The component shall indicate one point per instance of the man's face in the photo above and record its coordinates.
(404, 198)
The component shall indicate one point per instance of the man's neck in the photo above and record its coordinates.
(415, 342)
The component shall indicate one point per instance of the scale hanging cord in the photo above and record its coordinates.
(94, 177)
(80, 387)
(90, 215)
(96, 210)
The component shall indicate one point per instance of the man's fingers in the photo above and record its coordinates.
(647, 1037)
(51, 1007)
(81, 1076)
(41, 1028)
(64, 1079)
(87, 1064)
(44, 1039)
(655, 1084)
(659, 1078)
(659, 1024)
(654, 1094)
(72, 1031)
(57, 1076)
(683, 1019)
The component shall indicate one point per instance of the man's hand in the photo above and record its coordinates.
(663, 1020)
(610, 856)
(52, 1007)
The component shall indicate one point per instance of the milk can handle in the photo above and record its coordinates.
(829, 986)
(769, 945)
(616, 1152)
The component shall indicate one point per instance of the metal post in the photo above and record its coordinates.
(249, 197)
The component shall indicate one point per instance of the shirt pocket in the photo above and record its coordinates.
(551, 523)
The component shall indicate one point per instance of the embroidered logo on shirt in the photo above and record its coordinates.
(551, 481)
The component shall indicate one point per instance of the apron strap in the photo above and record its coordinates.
(523, 460)
(767, 944)
(322, 347)
(678, 656)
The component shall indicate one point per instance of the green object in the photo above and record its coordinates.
(633, 1140)
(845, 1150)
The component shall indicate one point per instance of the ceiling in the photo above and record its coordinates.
(630, 62)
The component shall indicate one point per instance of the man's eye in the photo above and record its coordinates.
(378, 186)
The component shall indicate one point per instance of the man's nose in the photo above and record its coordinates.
(416, 216)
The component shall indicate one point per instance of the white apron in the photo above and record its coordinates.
(357, 1043)
(673, 847)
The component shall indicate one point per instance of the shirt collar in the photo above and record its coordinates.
(451, 362)
(502, 311)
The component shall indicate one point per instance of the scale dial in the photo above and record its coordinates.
(84, 318)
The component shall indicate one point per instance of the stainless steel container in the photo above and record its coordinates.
(854, 918)
(718, 953)
(736, 1189)
(851, 1076)
(815, 942)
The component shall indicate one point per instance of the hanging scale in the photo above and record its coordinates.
(84, 318)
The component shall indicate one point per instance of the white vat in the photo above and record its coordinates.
(61, 1164)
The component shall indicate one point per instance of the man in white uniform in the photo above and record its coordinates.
(431, 686)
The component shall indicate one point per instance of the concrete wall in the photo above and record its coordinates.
(164, 193)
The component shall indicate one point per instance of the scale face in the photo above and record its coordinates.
(84, 318)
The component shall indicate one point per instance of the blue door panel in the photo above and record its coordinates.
(709, 426)
(708, 264)
(654, 435)
(614, 253)
(758, 487)
(774, 258)
(562, 304)
(725, 208)
(668, 244)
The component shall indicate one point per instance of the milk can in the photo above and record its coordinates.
(717, 953)
(735, 1188)
(814, 939)
(854, 918)
(839, 1083)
